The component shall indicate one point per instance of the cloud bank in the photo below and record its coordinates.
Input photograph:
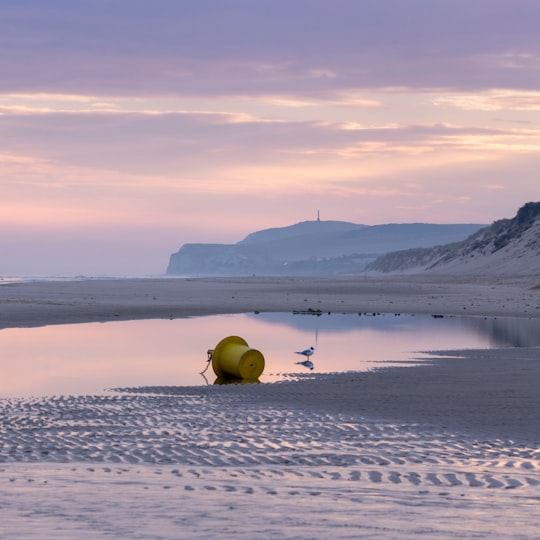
(204, 121)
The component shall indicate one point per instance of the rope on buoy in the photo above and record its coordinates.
(210, 354)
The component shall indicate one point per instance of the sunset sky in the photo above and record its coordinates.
(130, 127)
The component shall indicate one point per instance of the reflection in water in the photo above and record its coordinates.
(509, 332)
(89, 358)
(498, 332)
(223, 380)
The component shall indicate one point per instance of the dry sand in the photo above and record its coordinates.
(35, 304)
(449, 449)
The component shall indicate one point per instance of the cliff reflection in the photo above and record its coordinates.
(498, 332)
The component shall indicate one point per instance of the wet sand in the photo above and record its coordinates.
(449, 449)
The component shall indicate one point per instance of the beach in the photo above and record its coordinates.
(448, 449)
(87, 300)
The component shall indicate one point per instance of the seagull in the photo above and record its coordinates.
(307, 363)
(306, 352)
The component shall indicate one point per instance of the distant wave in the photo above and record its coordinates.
(6, 280)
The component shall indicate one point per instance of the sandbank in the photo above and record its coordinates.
(62, 302)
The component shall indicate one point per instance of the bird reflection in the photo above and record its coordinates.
(306, 363)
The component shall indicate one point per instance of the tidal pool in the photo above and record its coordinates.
(92, 358)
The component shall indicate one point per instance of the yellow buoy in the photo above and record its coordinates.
(234, 358)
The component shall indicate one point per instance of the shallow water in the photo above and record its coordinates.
(94, 357)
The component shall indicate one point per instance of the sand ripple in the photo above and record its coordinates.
(206, 431)
(194, 462)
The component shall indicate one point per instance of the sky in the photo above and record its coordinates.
(129, 127)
